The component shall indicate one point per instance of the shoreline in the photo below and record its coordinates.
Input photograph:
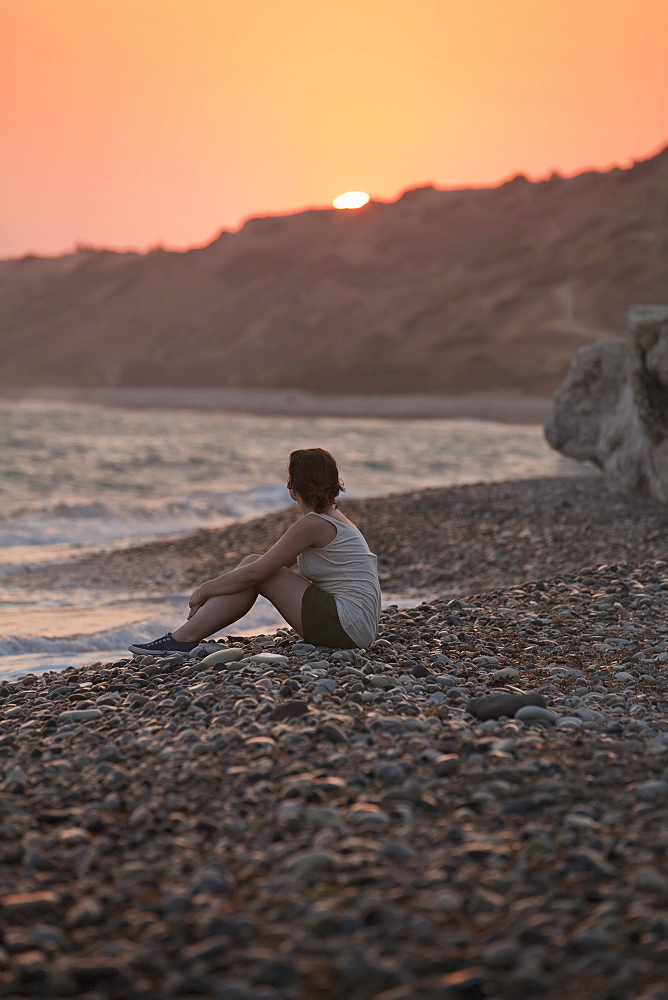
(451, 541)
(493, 407)
(470, 808)
(438, 543)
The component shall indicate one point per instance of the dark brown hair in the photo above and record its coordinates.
(314, 475)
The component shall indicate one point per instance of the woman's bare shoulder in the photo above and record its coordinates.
(320, 529)
(340, 516)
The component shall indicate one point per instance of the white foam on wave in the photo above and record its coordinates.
(114, 638)
(20, 654)
(94, 523)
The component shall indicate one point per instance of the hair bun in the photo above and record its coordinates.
(314, 476)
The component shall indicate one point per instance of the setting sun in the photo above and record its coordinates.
(351, 199)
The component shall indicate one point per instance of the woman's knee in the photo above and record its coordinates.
(270, 585)
(250, 559)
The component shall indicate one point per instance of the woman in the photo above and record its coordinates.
(331, 598)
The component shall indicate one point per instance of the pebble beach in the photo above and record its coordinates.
(474, 807)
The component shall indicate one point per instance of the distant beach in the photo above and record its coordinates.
(500, 408)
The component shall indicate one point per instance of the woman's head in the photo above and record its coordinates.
(314, 476)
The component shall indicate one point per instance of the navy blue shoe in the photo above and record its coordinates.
(165, 644)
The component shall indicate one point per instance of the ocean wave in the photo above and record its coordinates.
(114, 638)
(98, 522)
(262, 615)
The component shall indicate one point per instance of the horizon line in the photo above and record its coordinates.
(552, 173)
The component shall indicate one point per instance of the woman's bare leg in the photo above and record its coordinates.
(217, 612)
(214, 614)
(285, 589)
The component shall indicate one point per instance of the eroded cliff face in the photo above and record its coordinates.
(612, 409)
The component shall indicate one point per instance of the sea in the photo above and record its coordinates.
(79, 478)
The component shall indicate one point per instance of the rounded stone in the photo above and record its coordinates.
(272, 658)
(534, 713)
(568, 722)
(381, 681)
(311, 863)
(446, 763)
(653, 791)
(222, 656)
(507, 674)
(81, 715)
(326, 684)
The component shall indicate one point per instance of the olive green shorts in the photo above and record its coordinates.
(320, 620)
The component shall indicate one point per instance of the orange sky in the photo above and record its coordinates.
(128, 123)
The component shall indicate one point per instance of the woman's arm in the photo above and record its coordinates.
(307, 531)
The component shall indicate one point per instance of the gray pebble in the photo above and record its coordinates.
(85, 715)
(653, 791)
(534, 713)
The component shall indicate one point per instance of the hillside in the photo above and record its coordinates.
(472, 290)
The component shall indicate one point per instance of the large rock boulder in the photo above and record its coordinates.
(612, 409)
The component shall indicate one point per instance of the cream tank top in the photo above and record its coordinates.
(347, 568)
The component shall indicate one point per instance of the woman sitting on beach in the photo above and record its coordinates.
(331, 597)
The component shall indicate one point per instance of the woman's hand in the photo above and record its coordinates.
(198, 597)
